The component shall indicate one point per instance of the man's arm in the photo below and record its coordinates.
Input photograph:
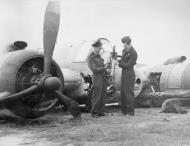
(131, 62)
(93, 67)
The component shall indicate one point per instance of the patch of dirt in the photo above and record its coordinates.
(148, 127)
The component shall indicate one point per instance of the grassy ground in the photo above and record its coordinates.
(147, 128)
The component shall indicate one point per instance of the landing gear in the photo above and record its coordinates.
(88, 79)
(88, 104)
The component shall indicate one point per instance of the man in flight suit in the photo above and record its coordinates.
(96, 65)
(127, 62)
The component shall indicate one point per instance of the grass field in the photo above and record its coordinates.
(147, 128)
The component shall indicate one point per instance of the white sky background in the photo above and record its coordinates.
(159, 29)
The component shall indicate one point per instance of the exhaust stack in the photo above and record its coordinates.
(175, 60)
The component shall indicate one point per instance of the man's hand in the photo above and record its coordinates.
(107, 65)
(120, 63)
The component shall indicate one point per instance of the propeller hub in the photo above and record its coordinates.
(51, 83)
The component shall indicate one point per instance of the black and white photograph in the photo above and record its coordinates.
(94, 73)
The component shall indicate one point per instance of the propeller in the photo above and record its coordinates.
(50, 31)
(47, 83)
(27, 91)
(51, 27)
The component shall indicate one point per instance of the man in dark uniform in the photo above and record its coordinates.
(96, 65)
(127, 62)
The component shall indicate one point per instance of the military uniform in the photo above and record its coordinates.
(96, 65)
(127, 62)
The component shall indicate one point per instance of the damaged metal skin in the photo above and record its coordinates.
(166, 87)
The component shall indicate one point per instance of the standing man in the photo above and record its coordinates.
(96, 65)
(127, 62)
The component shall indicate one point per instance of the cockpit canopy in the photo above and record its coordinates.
(85, 49)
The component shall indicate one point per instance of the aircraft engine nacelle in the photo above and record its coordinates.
(16, 70)
(19, 70)
(175, 77)
(171, 77)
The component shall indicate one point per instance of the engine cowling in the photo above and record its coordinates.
(19, 70)
(175, 77)
(13, 65)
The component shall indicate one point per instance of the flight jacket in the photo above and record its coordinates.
(128, 59)
(96, 63)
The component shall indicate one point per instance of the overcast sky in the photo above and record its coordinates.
(159, 29)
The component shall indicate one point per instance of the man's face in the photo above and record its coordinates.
(97, 49)
(127, 46)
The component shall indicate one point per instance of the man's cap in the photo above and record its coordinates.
(97, 43)
(126, 39)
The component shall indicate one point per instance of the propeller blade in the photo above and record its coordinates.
(50, 31)
(73, 106)
(38, 113)
(20, 94)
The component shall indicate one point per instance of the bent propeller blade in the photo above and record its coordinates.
(73, 106)
(20, 94)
